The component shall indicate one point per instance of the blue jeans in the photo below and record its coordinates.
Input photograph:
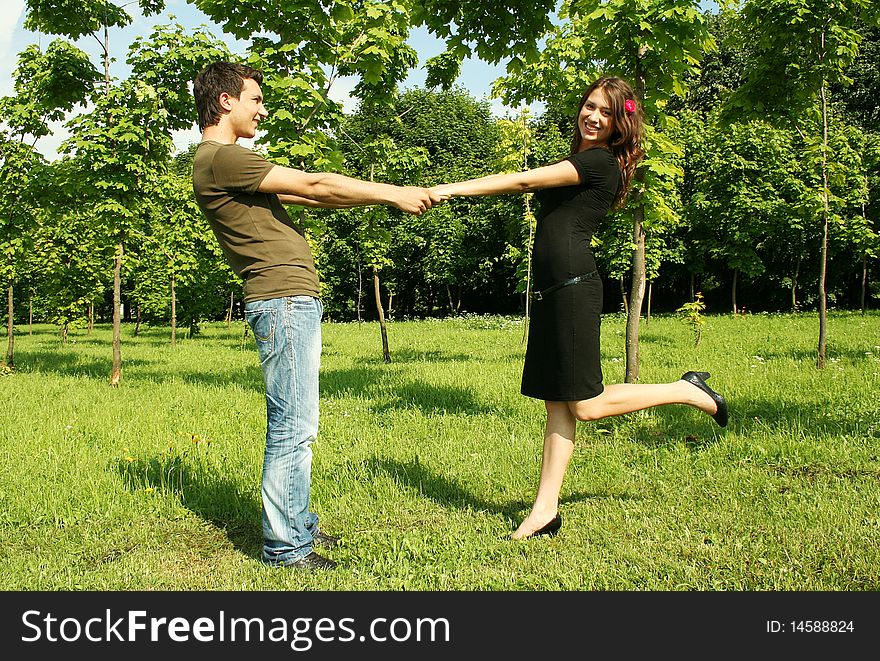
(288, 336)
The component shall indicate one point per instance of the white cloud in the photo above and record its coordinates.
(340, 91)
(48, 145)
(183, 139)
(8, 22)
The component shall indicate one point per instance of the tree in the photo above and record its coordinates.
(860, 98)
(440, 261)
(71, 249)
(813, 42)
(744, 190)
(75, 19)
(46, 86)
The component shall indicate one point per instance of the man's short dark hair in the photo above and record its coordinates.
(215, 79)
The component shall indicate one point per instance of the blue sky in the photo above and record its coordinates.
(476, 76)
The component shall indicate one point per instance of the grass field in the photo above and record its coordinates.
(426, 465)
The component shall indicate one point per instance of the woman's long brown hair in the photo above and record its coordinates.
(626, 139)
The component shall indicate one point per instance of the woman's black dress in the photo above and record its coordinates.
(562, 357)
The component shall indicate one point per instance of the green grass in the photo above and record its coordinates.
(426, 465)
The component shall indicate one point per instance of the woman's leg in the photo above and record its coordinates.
(558, 447)
(620, 398)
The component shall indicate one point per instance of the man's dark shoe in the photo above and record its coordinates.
(324, 541)
(312, 562)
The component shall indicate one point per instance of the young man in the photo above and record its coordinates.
(242, 195)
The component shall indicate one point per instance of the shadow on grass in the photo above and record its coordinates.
(430, 399)
(358, 382)
(70, 363)
(748, 417)
(203, 491)
(406, 355)
(807, 357)
(249, 378)
(450, 494)
(436, 400)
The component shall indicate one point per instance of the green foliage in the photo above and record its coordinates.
(21, 167)
(77, 18)
(692, 314)
(442, 70)
(800, 46)
(122, 146)
(47, 86)
(303, 49)
(176, 244)
(169, 61)
(722, 69)
(860, 98)
(494, 31)
(423, 138)
(564, 69)
(655, 41)
(746, 190)
(73, 254)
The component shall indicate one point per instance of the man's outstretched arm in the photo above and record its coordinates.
(338, 191)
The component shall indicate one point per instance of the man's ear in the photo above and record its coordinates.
(225, 100)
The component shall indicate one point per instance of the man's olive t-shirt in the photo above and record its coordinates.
(261, 242)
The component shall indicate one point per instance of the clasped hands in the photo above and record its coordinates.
(416, 200)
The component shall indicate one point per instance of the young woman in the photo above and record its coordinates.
(562, 365)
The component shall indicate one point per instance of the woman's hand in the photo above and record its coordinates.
(443, 191)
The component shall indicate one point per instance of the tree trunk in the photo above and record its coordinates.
(864, 280)
(10, 330)
(823, 262)
(623, 295)
(637, 296)
(733, 291)
(31, 315)
(231, 304)
(173, 313)
(650, 288)
(385, 351)
(692, 286)
(64, 329)
(91, 319)
(137, 324)
(116, 373)
(390, 300)
(794, 280)
(451, 304)
(360, 290)
(637, 285)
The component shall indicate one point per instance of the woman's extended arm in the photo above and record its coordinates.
(548, 176)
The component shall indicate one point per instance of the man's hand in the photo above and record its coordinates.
(415, 200)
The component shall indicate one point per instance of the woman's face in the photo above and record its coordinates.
(595, 120)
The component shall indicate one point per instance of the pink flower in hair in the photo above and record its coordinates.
(630, 106)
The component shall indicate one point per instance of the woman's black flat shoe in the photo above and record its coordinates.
(550, 529)
(699, 380)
